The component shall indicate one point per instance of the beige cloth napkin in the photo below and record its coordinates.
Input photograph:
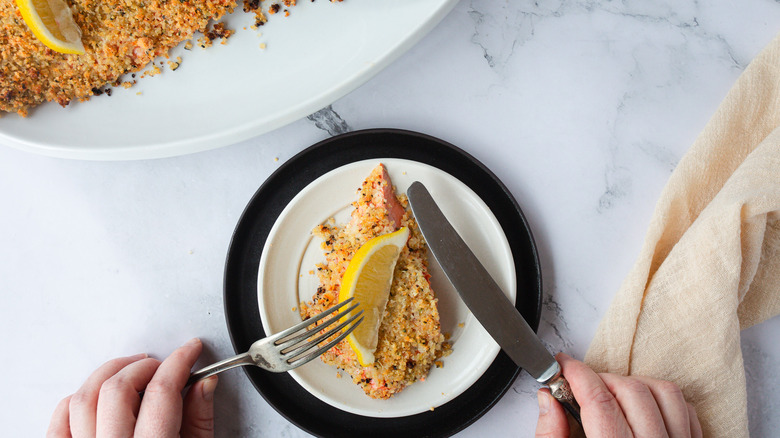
(710, 263)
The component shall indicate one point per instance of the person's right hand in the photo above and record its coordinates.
(618, 406)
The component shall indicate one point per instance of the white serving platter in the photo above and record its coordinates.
(229, 93)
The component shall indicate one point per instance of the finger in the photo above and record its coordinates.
(600, 411)
(161, 412)
(59, 427)
(696, 431)
(119, 401)
(638, 404)
(83, 404)
(198, 418)
(552, 418)
(672, 405)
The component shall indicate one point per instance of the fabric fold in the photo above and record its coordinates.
(709, 265)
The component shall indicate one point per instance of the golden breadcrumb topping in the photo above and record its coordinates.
(410, 338)
(119, 36)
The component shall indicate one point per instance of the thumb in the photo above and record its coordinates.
(198, 414)
(552, 418)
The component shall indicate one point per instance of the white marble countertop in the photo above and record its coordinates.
(582, 108)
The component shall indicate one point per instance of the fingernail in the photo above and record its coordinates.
(209, 385)
(138, 356)
(191, 342)
(544, 402)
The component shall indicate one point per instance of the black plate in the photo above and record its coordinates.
(241, 310)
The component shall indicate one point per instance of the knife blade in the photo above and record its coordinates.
(485, 299)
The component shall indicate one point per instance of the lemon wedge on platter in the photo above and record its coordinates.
(368, 278)
(51, 21)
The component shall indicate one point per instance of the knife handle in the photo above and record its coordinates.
(560, 389)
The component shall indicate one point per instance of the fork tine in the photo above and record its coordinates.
(287, 332)
(298, 361)
(290, 350)
(293, 339)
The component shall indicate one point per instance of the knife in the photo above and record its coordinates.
(486, 300)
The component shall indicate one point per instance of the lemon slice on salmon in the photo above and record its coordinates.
(368, 278)
(51, 21)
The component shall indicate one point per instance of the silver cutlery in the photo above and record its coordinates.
(486, 300)
(292, 347)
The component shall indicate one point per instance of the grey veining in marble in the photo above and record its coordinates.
(329, 120)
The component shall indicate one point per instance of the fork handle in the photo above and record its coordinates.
(223, 365)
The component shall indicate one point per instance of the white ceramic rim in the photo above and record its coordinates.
(295, 252)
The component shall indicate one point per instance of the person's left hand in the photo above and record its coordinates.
(109, 402)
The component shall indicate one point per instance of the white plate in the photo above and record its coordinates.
(229, 93)
(290, 254)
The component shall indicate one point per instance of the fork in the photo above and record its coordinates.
(289, 348)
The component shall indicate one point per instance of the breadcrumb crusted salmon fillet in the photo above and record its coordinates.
(119, 36)
(410, 339)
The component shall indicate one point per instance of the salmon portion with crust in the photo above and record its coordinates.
(119, 36)
(410, 339)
